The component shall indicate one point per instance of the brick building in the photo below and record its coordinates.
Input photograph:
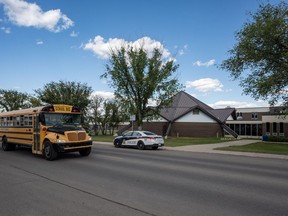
(189, 117)
(259, 121)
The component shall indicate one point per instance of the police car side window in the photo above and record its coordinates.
(137, 134)
(129, 134)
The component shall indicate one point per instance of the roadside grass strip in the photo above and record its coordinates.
(260, 147)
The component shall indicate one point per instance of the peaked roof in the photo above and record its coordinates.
(183, 103)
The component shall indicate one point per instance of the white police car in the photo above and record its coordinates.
(139, 139)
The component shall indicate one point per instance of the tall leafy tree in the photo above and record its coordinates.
(35, 101)
(66, 92)
(260, 57)
(95, 111)
(105, 114)
(116, 113)
(138, 76)
(13, 100)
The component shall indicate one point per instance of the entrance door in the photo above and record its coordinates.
(36, 144)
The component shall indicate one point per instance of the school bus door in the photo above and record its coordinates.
(36, 134)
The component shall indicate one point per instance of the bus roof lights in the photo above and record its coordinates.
(75, 110)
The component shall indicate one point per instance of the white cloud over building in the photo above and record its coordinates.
(205, 85)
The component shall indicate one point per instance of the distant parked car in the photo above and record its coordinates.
(139, 139)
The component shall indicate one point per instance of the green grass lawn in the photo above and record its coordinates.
(260, 147)
(171, 141)
(103, 138)
(182, 141)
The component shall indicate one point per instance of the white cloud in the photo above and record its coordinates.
(105, 95)
(234, 104)
(26, 14)
(181, 51)
(39, 42)
(205, 64)
(205, 85)
(74, 34)
(102, 48)
(6, 30)
(238, 104)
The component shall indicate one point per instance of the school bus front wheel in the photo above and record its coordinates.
(49, 152)
(85, 152)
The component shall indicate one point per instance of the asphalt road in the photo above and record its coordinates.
(132, 182)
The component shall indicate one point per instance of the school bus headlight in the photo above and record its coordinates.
(90, 138)
(61, 141)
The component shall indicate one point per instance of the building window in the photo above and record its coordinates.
(281, 129)
(248, 129)
(239, 115)
(242, 129)
(254, 129)
(274, 128)
(259, 129)
(254, 115)
(237, 128)
(268, 128)
(196, 112)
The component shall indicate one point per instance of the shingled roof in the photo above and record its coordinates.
(184, 103)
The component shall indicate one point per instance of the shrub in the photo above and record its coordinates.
(277, 139)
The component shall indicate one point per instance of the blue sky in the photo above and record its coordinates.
(43, 41)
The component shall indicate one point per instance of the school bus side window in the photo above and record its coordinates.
(27, 120)
(16, 121)
(21, 120)
(10, 121)
(4, 121)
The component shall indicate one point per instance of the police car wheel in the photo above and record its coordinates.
(141, 145)
(117, 143)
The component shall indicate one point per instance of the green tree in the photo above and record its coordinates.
(105, 114)
(13, 100)
(260, 57)
(72, 93)
(94, 112)
(138, 77)
(117, 114)
(34, 101)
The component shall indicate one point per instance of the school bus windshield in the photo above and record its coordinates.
(52, 119)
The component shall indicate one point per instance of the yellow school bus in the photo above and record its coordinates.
(48, 130)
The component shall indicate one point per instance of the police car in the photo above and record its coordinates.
(139, 139)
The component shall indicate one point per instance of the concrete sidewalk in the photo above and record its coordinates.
(211, 148)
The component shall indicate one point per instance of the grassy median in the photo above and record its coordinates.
(260, 147)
